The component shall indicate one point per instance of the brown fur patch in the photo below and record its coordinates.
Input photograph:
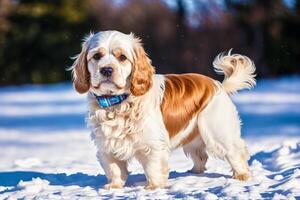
(242, 176)
(142, 73)
(118, 52)
(190, 137)
(185, 95)
(81, 75)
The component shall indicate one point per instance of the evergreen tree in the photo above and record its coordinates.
(44, 35)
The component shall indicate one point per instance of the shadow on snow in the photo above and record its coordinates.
(11, 179)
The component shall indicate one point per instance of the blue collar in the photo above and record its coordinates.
(108, 101)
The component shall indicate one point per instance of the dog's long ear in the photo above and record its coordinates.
(80, 73)
(142, 72)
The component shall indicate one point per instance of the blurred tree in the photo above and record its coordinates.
(37, 38)
(272, 32)
(43, 36)
(5, 7)
(151, 20)
(181, 31)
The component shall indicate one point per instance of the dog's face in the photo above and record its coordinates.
(112, 63)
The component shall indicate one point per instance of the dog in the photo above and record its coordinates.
(135, 113)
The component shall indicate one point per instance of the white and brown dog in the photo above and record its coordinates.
(135, 113)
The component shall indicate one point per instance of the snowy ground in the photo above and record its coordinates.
(46, 153)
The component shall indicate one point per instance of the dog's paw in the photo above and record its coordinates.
(113, 186)
(150, 186)
(195, 170)
(242, 176)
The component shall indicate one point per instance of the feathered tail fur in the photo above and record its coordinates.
(238, 71)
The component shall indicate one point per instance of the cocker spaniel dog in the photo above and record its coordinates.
(135, 113)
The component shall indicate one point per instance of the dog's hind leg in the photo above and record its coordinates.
(238, 157)
(197, 152)
(219, 125)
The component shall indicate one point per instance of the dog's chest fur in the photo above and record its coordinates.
(117, 130)
(134, 126)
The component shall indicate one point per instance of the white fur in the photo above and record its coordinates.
(135, 128)
(219, 124)
(238, 71)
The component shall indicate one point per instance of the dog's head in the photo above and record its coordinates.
(112, 63)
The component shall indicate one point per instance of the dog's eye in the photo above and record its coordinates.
(97, 56)
(122, 57)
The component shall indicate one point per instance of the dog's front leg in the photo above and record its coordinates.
(155, 164)
(115, 170)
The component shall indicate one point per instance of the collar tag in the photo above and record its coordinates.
(108, 101)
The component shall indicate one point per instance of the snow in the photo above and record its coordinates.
(46, 152)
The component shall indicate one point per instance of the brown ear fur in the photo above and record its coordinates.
(80, 72)
(142, 72)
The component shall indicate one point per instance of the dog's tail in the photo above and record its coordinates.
(238, 71)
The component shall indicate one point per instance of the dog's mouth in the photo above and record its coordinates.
(105, 81)
(107, 87)
(108, 83)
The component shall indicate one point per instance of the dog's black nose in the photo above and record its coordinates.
(106, 71)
